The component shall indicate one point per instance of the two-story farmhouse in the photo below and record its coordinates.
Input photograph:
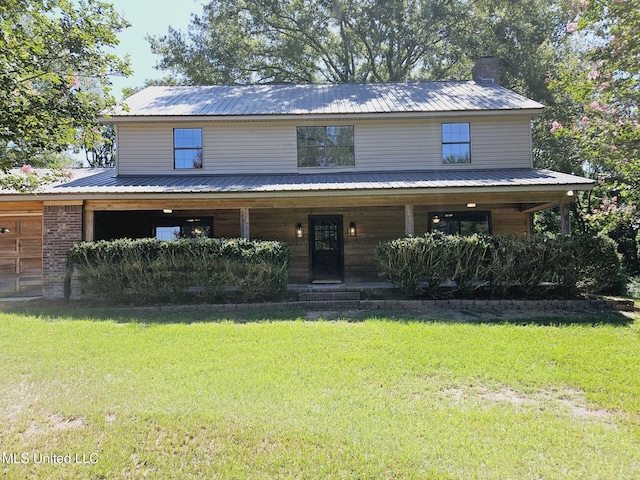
(330, 169)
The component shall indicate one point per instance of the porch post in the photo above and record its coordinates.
(244, 223)
(88, 224)
(565, 219)
(409, 221)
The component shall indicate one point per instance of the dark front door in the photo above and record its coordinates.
(326, 248)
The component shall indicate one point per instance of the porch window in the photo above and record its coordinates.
(326, 146)
(175, 228)
(187, 148)
(460, 223)
(168, 234)
(456, 143)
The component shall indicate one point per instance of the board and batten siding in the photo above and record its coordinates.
(500, 141)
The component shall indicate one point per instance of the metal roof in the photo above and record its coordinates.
(105, 181)
(322, 99)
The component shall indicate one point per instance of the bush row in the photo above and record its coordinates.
(200, 269)
(502, 265)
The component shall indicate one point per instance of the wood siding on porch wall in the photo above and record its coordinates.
(374, 224)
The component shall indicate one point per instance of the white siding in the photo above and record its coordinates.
(253, 148)
(270, 147)
(145, 150)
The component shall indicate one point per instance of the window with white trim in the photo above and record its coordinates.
(456, 143)
(187, 148)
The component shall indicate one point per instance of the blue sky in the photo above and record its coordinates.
(148, 17)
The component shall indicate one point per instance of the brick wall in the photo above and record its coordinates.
(62, 228)
(487, 68)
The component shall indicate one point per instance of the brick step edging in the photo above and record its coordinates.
(589, 305)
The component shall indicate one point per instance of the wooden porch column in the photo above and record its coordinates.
(409, 220)
(565, 219)
(88, 224)
(244, 223)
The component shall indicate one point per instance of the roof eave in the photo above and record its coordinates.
(127, 118)
(74, 196)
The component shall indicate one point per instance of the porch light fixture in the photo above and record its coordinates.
(570, 193)
(299, 230)
(352, 229)
(435, 219)
(472, 205)
(167, 210)
(4, 230)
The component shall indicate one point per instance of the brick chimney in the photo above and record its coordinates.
(487, 70)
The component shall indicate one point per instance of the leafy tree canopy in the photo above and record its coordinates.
(604, 82)
(293, 41)
(601, 131)
(48, 50)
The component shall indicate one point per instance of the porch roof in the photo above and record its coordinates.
(105, 181)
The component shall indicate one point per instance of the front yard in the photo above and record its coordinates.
(88, 393)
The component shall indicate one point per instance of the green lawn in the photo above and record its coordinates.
(188, 394)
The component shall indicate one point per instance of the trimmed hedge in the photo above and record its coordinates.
(435, 264)
(198, 269)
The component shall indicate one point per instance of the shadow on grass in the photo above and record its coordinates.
(157, 314)
(531, 318)
(185, 314)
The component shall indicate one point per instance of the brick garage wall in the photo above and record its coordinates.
(62, 228)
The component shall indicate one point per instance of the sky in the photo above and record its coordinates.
(148, 17)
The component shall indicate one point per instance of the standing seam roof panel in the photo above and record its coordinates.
(323, 99)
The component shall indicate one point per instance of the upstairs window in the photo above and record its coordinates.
(456, 143)
(187, 148)
(325, 146)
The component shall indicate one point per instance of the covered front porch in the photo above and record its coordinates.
(332, 222)
(332, 238)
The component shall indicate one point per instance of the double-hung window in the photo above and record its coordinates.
(187, 148)
(327, 146)
(456, 143)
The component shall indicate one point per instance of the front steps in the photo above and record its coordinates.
(330, 298)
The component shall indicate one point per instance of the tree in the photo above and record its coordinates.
(262, 41)
(605, 128)
(258, 41)
(99, 145)
(48, 49)
(526, 35)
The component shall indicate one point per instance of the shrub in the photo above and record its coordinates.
(519, 263)
(502, 264)
(416, 265)
(585, 263)
(467, 259)
(202, 269)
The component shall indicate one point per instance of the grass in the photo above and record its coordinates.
(191, 394)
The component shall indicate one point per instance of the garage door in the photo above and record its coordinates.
(21, 255)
